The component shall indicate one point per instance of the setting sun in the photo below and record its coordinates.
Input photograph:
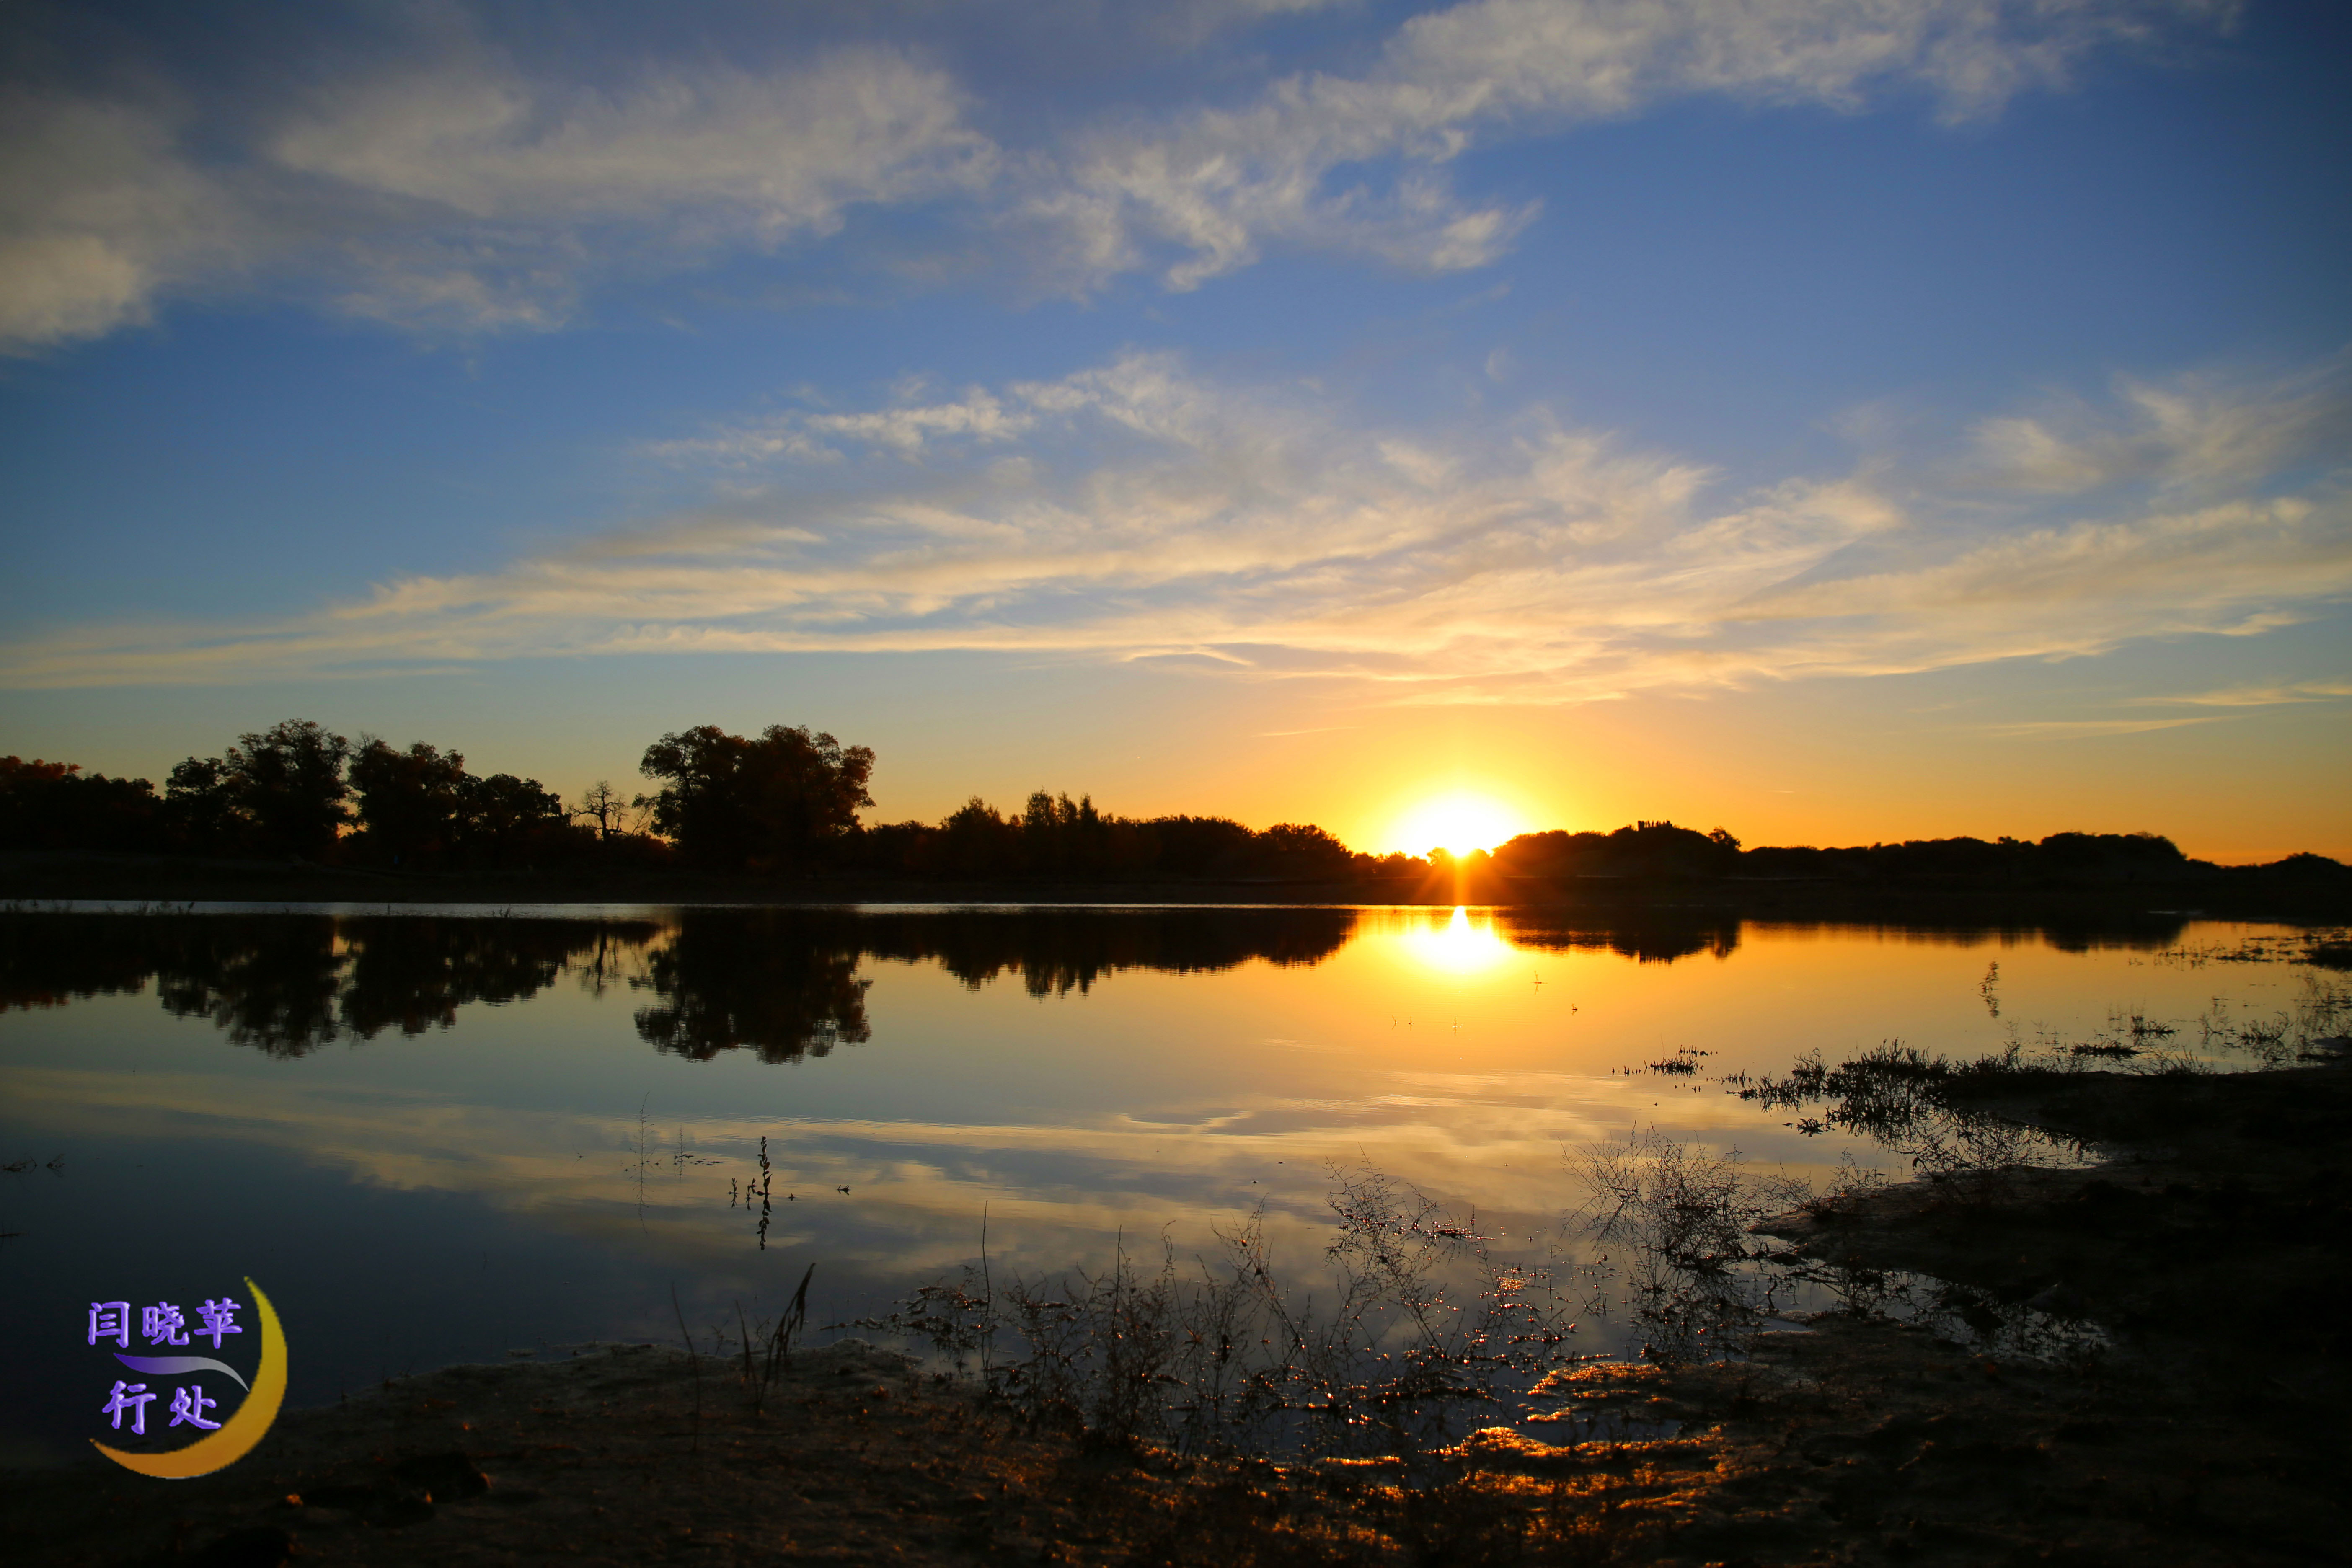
(1457, 822)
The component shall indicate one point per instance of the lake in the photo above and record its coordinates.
(441, 1136)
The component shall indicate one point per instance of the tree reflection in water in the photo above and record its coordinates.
(1648, 936)
(288, 984)
(1058, 951)
(782, 982)
(276, 989)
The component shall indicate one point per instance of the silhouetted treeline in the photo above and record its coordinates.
(2062, 856)
(1645, 849)
(56, 805)
(298, 790)
(784, 803)
(1055, 839)
(1652, 851)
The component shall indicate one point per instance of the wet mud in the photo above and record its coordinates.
(2140, 1360)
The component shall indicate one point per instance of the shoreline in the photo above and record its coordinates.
(29, 878)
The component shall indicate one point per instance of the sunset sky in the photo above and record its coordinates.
(1838, 420)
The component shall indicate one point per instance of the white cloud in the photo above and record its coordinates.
(1219, 184)
(908, 430)
(480, 198)
(98, 211)
(1135, 511)
(463, 188)
(2089, 728)
(773, 154)
(461, 193)
(2195, 434)
(1145, 394)
(2285, 692)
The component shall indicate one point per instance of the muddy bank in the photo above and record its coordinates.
(2142, 1361)
(626, 1454)
(635, 1455)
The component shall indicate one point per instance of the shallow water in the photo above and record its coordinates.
(436, 1136)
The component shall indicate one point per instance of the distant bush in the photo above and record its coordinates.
(56, 805)
(1643, 850)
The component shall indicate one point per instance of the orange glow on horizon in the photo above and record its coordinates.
(1458, 822)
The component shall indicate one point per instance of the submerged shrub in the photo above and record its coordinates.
(1674, 1222)
(1420, 1327)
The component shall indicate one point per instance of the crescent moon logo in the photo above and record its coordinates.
(240, 1431)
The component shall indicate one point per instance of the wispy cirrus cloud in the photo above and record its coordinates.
(1359, 163)
(2272, 696)
(475, 173)
(2089, 728)
(2196, 434)
(448, 183)
(459, 190)
(99, 213)
(1134, 511)
(978, 417)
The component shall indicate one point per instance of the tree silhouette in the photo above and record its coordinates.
(409, 802)
(281, 790)
(200, 806)
(777, 802)
(56, 805)
(503, 814)
(290, 781)
(422, 806)
(603, 804)
(1301, 850)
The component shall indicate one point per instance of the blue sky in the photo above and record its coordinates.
(1844, 420)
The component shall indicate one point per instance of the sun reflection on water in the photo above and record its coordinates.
(1463, 945)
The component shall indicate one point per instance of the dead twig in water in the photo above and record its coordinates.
(743, 1331)
(793, 1320)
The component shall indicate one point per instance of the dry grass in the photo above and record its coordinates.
(1417, 1336)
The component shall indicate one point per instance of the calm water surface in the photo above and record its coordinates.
(436, 1136)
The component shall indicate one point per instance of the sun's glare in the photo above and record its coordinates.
(1461, 946)
(1456, 823)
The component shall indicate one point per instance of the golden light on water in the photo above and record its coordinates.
(1458, 822)
(1461, 946)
